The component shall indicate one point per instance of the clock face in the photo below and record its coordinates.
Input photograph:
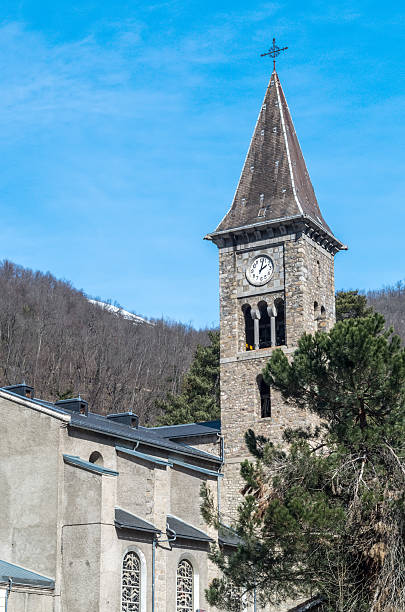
(260, 270)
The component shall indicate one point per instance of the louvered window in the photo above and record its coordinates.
(185, 595)
(131, 583)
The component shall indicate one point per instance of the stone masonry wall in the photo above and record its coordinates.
(303, 275)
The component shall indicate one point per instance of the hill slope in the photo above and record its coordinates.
(52, 336)
(390, 302)
(64, 344)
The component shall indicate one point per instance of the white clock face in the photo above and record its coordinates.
(260, 270)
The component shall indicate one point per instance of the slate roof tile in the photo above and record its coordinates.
(126, 520)
(274, 183)
(185, 531)
(187, 430)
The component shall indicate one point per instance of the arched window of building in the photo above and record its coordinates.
(316, 310)
(264, 326)
(185, 587)
(96, 458)
(249, 328)
(131, 583)
(265, 398)
(280, 322)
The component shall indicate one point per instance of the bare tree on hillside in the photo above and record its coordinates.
(55, 339)
(390, 302)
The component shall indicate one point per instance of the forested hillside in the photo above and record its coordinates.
(390, 302)
(61, 344)
(52, 337)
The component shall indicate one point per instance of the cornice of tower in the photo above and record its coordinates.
(298, 224)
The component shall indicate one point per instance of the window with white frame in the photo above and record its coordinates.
(131, 583)
(185, 580)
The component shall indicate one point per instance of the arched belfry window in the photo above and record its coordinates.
(249, 328)
(265, 397)
(185, 586)
(131, 583)
(264, 326)
(280, 322)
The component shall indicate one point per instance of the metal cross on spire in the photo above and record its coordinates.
(274, 52)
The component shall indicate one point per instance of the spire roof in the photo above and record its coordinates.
(274, 184)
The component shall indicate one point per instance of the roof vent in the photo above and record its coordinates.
(125, 418)
(75, 404)
(23, 390)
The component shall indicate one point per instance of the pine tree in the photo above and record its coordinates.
(350, 305)
(199, 398)
(325, 513)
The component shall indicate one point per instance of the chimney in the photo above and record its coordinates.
(125, 418)
(74, 404)
(23, 390)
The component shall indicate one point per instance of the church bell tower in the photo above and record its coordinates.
(276, 269)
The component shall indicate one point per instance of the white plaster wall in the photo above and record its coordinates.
(29, 452)
(23, 599)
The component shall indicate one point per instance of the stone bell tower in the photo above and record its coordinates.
(276, 269)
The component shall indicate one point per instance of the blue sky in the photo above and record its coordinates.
(124, 126)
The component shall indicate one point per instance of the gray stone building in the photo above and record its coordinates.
(101, 514)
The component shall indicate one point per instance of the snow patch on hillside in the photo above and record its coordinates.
(130, 316)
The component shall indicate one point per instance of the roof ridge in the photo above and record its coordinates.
(278, 85)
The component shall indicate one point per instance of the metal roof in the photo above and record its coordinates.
(207, 428)
(87, 465)
(22, 576)
(196, 468)
(126, 520)
(228, 537)
(99, 423)
(144, 456)
(185, 531)
(120, 431)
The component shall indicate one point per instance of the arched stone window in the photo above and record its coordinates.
(264, 326)
(316, 310)
(96, 458)
(131, 583)
(249, 328)
(185, 587)
(265, 397)
(280, 322)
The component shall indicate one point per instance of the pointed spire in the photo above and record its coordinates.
(274, 183)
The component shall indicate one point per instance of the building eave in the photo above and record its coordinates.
(200, 456)
(35, 405)
(313, 227)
